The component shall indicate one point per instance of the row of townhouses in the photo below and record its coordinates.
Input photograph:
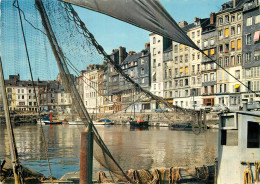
(50, 95)
(182, 75)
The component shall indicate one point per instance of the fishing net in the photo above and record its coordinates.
(55, 34)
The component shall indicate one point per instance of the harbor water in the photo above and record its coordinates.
(132, 148)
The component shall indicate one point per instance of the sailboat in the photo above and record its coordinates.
(50, 121)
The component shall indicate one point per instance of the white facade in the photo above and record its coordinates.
(156, 50)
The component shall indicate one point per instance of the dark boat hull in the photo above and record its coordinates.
(53, 123)
(139, 124)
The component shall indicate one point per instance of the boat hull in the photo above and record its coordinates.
(139, 124)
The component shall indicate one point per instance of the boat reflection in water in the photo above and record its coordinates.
(141, 128)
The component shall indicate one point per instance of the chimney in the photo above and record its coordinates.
(212, 18)
(121, 54)
(183, 23)
(196, 19)
(234, 3)
(131, 52)
(147, 45)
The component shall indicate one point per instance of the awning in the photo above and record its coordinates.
(237, 86)
(256, 36)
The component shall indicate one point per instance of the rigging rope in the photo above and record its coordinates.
(34, 89)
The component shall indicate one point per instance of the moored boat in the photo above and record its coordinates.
(75, 122)
(102, 122)
(138, 123)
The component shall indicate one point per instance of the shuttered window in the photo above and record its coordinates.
(233, 45)
(226, 32)
(212, 51)
(239, 44)
(186, 70)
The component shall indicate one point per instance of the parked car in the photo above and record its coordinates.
(161, 110)
(220, 108)
(253, 106)
(200, 107)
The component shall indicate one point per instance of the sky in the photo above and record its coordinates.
(109, 32)
(112, 33)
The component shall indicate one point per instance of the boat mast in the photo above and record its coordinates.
(13, 150)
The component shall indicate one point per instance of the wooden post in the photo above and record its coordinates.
(204, 119)
(14, 156)
(86, 156)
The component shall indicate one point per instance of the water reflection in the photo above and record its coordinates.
(132, 148)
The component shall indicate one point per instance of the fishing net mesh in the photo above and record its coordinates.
(55, 34)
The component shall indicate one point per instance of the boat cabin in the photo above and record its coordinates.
(238, 146)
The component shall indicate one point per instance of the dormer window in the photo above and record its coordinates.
(220, 21)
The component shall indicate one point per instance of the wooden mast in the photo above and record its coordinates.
(13, 150)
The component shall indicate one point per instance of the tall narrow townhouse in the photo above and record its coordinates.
(157, 45)
(194, 32)
(91, 88)
(229, 41)
(180, 67)
(209, 67)
(168, 74)
(251, 49)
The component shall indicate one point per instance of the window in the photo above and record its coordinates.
(176, 71)
(226, 61)
(154, 63)
(181, 71)
(18, 90)
(205, 43)
(253, 135)
(248, 39)
(226, 48)
(154, 40)
(239, 16)
(176, 83)
(257, 19)
(232, 31)
(193, 81)
(170, 73)
(206, 78)
(238, 29)
(249, 21)
(142, 70)
(193, 57)
(212, 41)
(232, 45)
(239, 59)
(206, 52)
(154, 51)
(232, 60)
(186, 58)
(193, 34)
(198, 33)
(181, 47)
(186, 82)
(181, 57)
(212, 51)
(170, 84)
(193, 68)
(176, 60)
(181, 82)
(220, 21)
(226, 32)
(257, 55)
(186, 70)
(239, 44)
(221, 48)
(248, 57)
(198, 55)
(237, 74)
(220, 34)
(227, 19)
(198, 67)
(175, 48)
(233, 18)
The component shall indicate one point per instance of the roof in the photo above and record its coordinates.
(132, 57)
